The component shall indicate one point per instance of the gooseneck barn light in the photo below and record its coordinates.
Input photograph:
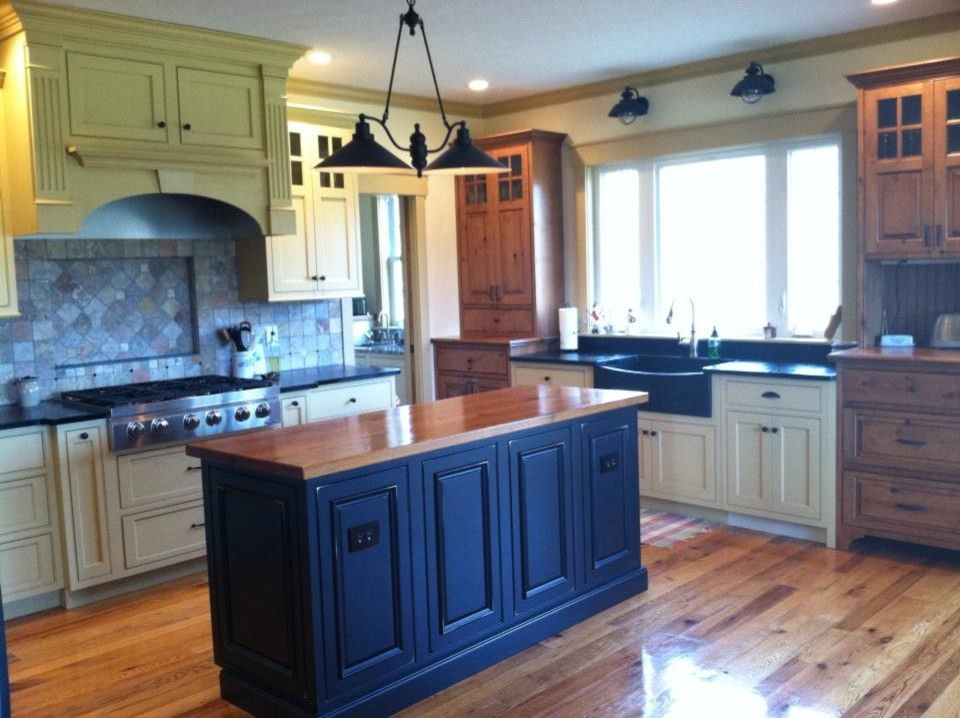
(754, 85)
(630, 107)
(363, 154)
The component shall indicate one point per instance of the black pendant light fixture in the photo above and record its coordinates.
(630, 107)
(754, 85)
(364, 154)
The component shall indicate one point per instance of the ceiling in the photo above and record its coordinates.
(521, 48)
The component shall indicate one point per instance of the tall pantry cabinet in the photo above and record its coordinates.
(510, 250)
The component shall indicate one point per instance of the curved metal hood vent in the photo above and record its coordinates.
(165, 216)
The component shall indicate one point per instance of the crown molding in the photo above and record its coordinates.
(376, 98)
(932, 25)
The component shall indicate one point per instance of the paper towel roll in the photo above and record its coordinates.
(569, 334)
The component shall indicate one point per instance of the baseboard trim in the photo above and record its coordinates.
(74, 599)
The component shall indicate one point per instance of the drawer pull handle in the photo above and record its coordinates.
(910, 507)
(770, 395)
(84, 436)
(912, 442)
(198, 525)
(194, 468)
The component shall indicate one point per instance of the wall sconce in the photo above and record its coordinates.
(754, 85)
(630, 107)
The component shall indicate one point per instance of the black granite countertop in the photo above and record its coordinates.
(13, 416)
(298, 379)
(775, 369)
(558, 357)
(380, 348)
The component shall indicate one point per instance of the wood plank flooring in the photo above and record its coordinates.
(735, 623)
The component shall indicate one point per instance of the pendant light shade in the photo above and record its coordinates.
(364, 155)
(630, 107)
(465, 158)
(754, 85)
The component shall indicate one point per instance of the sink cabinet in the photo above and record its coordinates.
(678, 459)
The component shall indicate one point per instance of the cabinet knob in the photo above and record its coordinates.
(644, 432)
(653, 432)
(84, 436)
(764, 429)
(353, 400)
(194, 468)
(775, 430)
(294, 403)
(187, 127)
(161, 124)
(322, 277)
(198, 524)
(546, 378)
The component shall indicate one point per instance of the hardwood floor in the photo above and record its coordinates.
(735, 623)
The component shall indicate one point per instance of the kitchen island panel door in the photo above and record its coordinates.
(610, 496)
(255, 591)
(462, 533)
(541, 485)
(366, 585)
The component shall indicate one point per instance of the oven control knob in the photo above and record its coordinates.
(214, 418)
(159, 425)
(134, 429)
(242, 414)
(191, 422)
(263, 410)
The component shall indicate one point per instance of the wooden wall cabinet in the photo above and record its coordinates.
(321, 259)
(510, 238)
(910, 160)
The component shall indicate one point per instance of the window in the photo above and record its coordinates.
(752, 236)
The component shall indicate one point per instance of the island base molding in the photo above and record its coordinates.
(434, 678)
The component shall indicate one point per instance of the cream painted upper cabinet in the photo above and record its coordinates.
(322, 258)
(8, 272)
(220, 109)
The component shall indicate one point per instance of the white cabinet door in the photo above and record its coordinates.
(677, 461)
(747, 459)
(293, 257)
(795, 466)
(84, 502)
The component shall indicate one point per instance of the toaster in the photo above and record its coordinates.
(946, 332)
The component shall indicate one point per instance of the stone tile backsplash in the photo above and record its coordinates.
(95, 313)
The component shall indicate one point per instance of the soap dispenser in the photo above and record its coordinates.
(713, 344)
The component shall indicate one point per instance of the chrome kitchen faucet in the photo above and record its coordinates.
(693, 326)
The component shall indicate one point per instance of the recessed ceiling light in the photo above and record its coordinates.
(319, 57)
(883, 2)
(478, 85)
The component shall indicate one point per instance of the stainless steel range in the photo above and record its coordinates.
(177, 410)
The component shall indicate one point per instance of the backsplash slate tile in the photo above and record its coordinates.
(95, 313)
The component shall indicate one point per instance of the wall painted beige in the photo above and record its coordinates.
(802, 85)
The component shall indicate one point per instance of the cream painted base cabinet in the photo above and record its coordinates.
(778, 449)
(555, 374)
(340, 399)
(29, 535)
(678, 459)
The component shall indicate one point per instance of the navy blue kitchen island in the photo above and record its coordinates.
(360, 564)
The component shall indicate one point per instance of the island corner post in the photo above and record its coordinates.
(358, 565)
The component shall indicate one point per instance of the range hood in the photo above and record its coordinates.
(164, 216)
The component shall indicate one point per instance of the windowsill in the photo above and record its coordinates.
(703, 337)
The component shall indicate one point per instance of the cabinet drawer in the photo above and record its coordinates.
(897, 503)
(27, 566)
(901, 441)
(552, 374)
(22, 452)
(23, 504)
(345, 399)
(165, 476)
(774, 396)
(925, 390)
(473, 359)
(496, 321)
(162, 534)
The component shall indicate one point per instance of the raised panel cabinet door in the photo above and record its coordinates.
(463, 547)
(338, 245)
(256, 596)
(648, 479)
(682, 458)
(219, 109)
(449, 385)
(898, 179)
(747, 455)
(4, 675)
(478, 257)
(947, 165)
(365, 573)
(795, 466)
(541, 497)
(514, 248)
(117, 98)
(611, 510)
(293, 257)
(82, 475)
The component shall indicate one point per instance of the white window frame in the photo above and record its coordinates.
(651, 311)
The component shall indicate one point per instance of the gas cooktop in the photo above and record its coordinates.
(155, 413)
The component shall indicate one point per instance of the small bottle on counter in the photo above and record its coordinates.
(713, 344)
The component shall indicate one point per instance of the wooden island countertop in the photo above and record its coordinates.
(335, 445)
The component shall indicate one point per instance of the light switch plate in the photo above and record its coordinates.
(896, 340)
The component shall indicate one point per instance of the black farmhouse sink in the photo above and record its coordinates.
(677, 385)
